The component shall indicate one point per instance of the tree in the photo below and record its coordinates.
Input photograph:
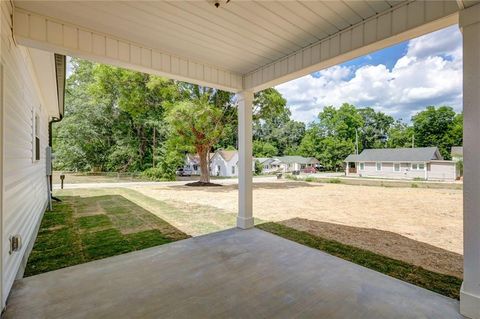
(399, 135)
(198, 125)
(264, 149)
(440, 127)
(374, 131)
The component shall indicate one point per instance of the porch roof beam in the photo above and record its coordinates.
(402, 22)
(41, 32)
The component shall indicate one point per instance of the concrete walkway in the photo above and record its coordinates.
(230, 274)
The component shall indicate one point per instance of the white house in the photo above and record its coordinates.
(401, 163)
(295, 163)
(192, 163)
(269, 165)
(32, 86)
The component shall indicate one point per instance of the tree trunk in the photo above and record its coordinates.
(204, 169)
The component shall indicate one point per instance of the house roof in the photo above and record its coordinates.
(195, 158)
(420, 154)
(227, 155)
(297, 159)
(457, 151)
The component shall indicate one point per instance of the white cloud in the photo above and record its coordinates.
(429, 73)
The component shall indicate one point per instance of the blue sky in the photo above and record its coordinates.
(399, 80)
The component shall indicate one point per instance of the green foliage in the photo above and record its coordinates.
(258, 168)
(334, 181)
(440, 127)
(459, 165)
(264, 149)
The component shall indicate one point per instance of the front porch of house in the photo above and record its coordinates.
(229, 274)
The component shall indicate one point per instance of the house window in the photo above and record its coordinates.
(418, 167)
(396, 167)
(379, 166)
(233, 169)
(195, 167)
(36, 150)
(362, 166)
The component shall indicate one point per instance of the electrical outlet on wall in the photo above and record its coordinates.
(15, 243)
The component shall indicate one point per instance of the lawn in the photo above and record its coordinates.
(440, 283)
(82, 229)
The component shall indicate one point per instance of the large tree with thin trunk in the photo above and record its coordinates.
(198, 125)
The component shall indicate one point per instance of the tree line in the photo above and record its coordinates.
(126, 121)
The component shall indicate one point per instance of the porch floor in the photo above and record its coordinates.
(229, 274)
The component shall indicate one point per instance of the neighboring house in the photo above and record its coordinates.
(401, 163)
(457, 153)
(269, 165)
(295, 163)
(192, 163)
(31, 96)
(225, 163)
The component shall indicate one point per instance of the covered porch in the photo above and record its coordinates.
(230, 274)
(246, 272)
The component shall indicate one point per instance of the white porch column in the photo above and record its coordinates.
(245, 206)
(470, 292)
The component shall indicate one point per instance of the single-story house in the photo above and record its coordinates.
(192, 163)
(295, 163)
(401, 163)
(269, 165)
(225, 163)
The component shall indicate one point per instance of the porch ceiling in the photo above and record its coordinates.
(254, 44)
(230, 274)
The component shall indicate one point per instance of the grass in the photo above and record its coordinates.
(440, 283)
(82, 229)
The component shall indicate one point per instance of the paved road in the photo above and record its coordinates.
(229, 181)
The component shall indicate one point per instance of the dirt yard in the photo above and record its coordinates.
(422, 226)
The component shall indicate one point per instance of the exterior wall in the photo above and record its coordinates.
(190, 165)
(24, 191)
(388, 172)
(220, 167)
(445, 171)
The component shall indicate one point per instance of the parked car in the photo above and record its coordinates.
(184, 172)
(309, 170)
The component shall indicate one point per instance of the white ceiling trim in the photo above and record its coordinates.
(402, 22)
(41, 32)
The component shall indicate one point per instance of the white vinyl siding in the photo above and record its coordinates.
(24, 182)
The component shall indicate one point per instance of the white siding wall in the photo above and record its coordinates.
(388, 172)
(220, 167)
(24, 181)
(442, 171)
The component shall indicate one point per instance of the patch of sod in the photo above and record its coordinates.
(67, 237)
(148, 238)
(440, 283)
(105, 243)
(88, 222)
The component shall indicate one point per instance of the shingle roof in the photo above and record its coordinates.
(420, 154)
(227, 155)
(297, 159)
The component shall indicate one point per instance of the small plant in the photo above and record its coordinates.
(414, 185)
(419, 179)
(334, 181)
(309, 179)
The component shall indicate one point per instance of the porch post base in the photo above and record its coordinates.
(469, 304)
(245, 223)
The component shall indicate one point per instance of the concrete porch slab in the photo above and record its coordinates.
(229, 274)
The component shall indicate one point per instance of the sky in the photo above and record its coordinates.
(400, 80)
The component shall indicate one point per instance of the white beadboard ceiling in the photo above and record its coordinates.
(240, 37)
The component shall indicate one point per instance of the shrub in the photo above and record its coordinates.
(157, 174)
(334, 181)
(309, 179)
(414, 185)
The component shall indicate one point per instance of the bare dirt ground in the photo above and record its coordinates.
(421, 226)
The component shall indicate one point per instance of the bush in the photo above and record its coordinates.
(157, 174)
(414, 185)
(309, 179)
(419, 179)
(334, 181)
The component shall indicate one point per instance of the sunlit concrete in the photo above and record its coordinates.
(230, 274)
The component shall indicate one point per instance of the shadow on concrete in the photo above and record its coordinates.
(385, 243)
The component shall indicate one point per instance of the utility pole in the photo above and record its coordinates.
(356, 141)
(153, 146)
